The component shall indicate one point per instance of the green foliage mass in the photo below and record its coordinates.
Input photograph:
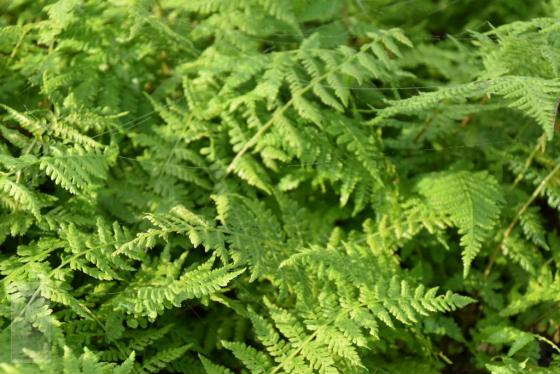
(274, 186)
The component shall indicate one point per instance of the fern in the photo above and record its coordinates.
(279, 187)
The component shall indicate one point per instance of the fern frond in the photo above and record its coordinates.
(533, 228)
(166, 292)
(74, 170)
(20, 197)
(471, 200)
(536, 97)
(161, 359)
(211, 368)
(255, 361)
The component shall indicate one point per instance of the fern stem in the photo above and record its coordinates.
(541, 143)
(18, 45)
(548, 341)
(427, 123)
(297, 351)
(516, 219)
(256, 137)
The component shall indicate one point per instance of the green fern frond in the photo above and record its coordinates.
(18, 196)
(211, 368)
(536, 97)
(74, 170)
(471, 200)
(161, 359)
(254, 360)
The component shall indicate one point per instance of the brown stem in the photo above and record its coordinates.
(513, 223)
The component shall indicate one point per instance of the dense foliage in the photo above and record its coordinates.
(273, 186)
